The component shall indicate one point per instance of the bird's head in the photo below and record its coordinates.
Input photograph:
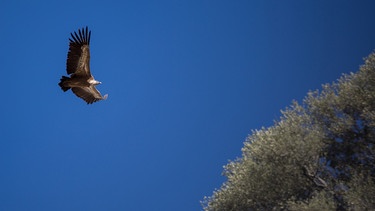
(94, 82)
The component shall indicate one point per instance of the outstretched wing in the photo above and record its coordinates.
(89, 94)
(78, 61)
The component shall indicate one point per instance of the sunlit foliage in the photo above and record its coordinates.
(320, 155)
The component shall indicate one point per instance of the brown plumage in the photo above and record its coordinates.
(81, 81)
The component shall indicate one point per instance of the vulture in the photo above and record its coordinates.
(80, 81)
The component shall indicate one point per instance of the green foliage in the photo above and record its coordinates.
(361, 194)
(320, 201)
(319, 156)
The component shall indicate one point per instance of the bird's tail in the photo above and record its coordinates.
(61, 84)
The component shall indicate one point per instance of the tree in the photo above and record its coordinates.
(320, 155)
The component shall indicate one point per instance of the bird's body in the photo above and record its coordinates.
(80, 81)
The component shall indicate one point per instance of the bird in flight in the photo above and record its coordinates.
(80, 81)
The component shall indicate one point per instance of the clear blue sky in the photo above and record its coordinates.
(187, 82)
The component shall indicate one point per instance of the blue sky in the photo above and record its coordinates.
(187, 82)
